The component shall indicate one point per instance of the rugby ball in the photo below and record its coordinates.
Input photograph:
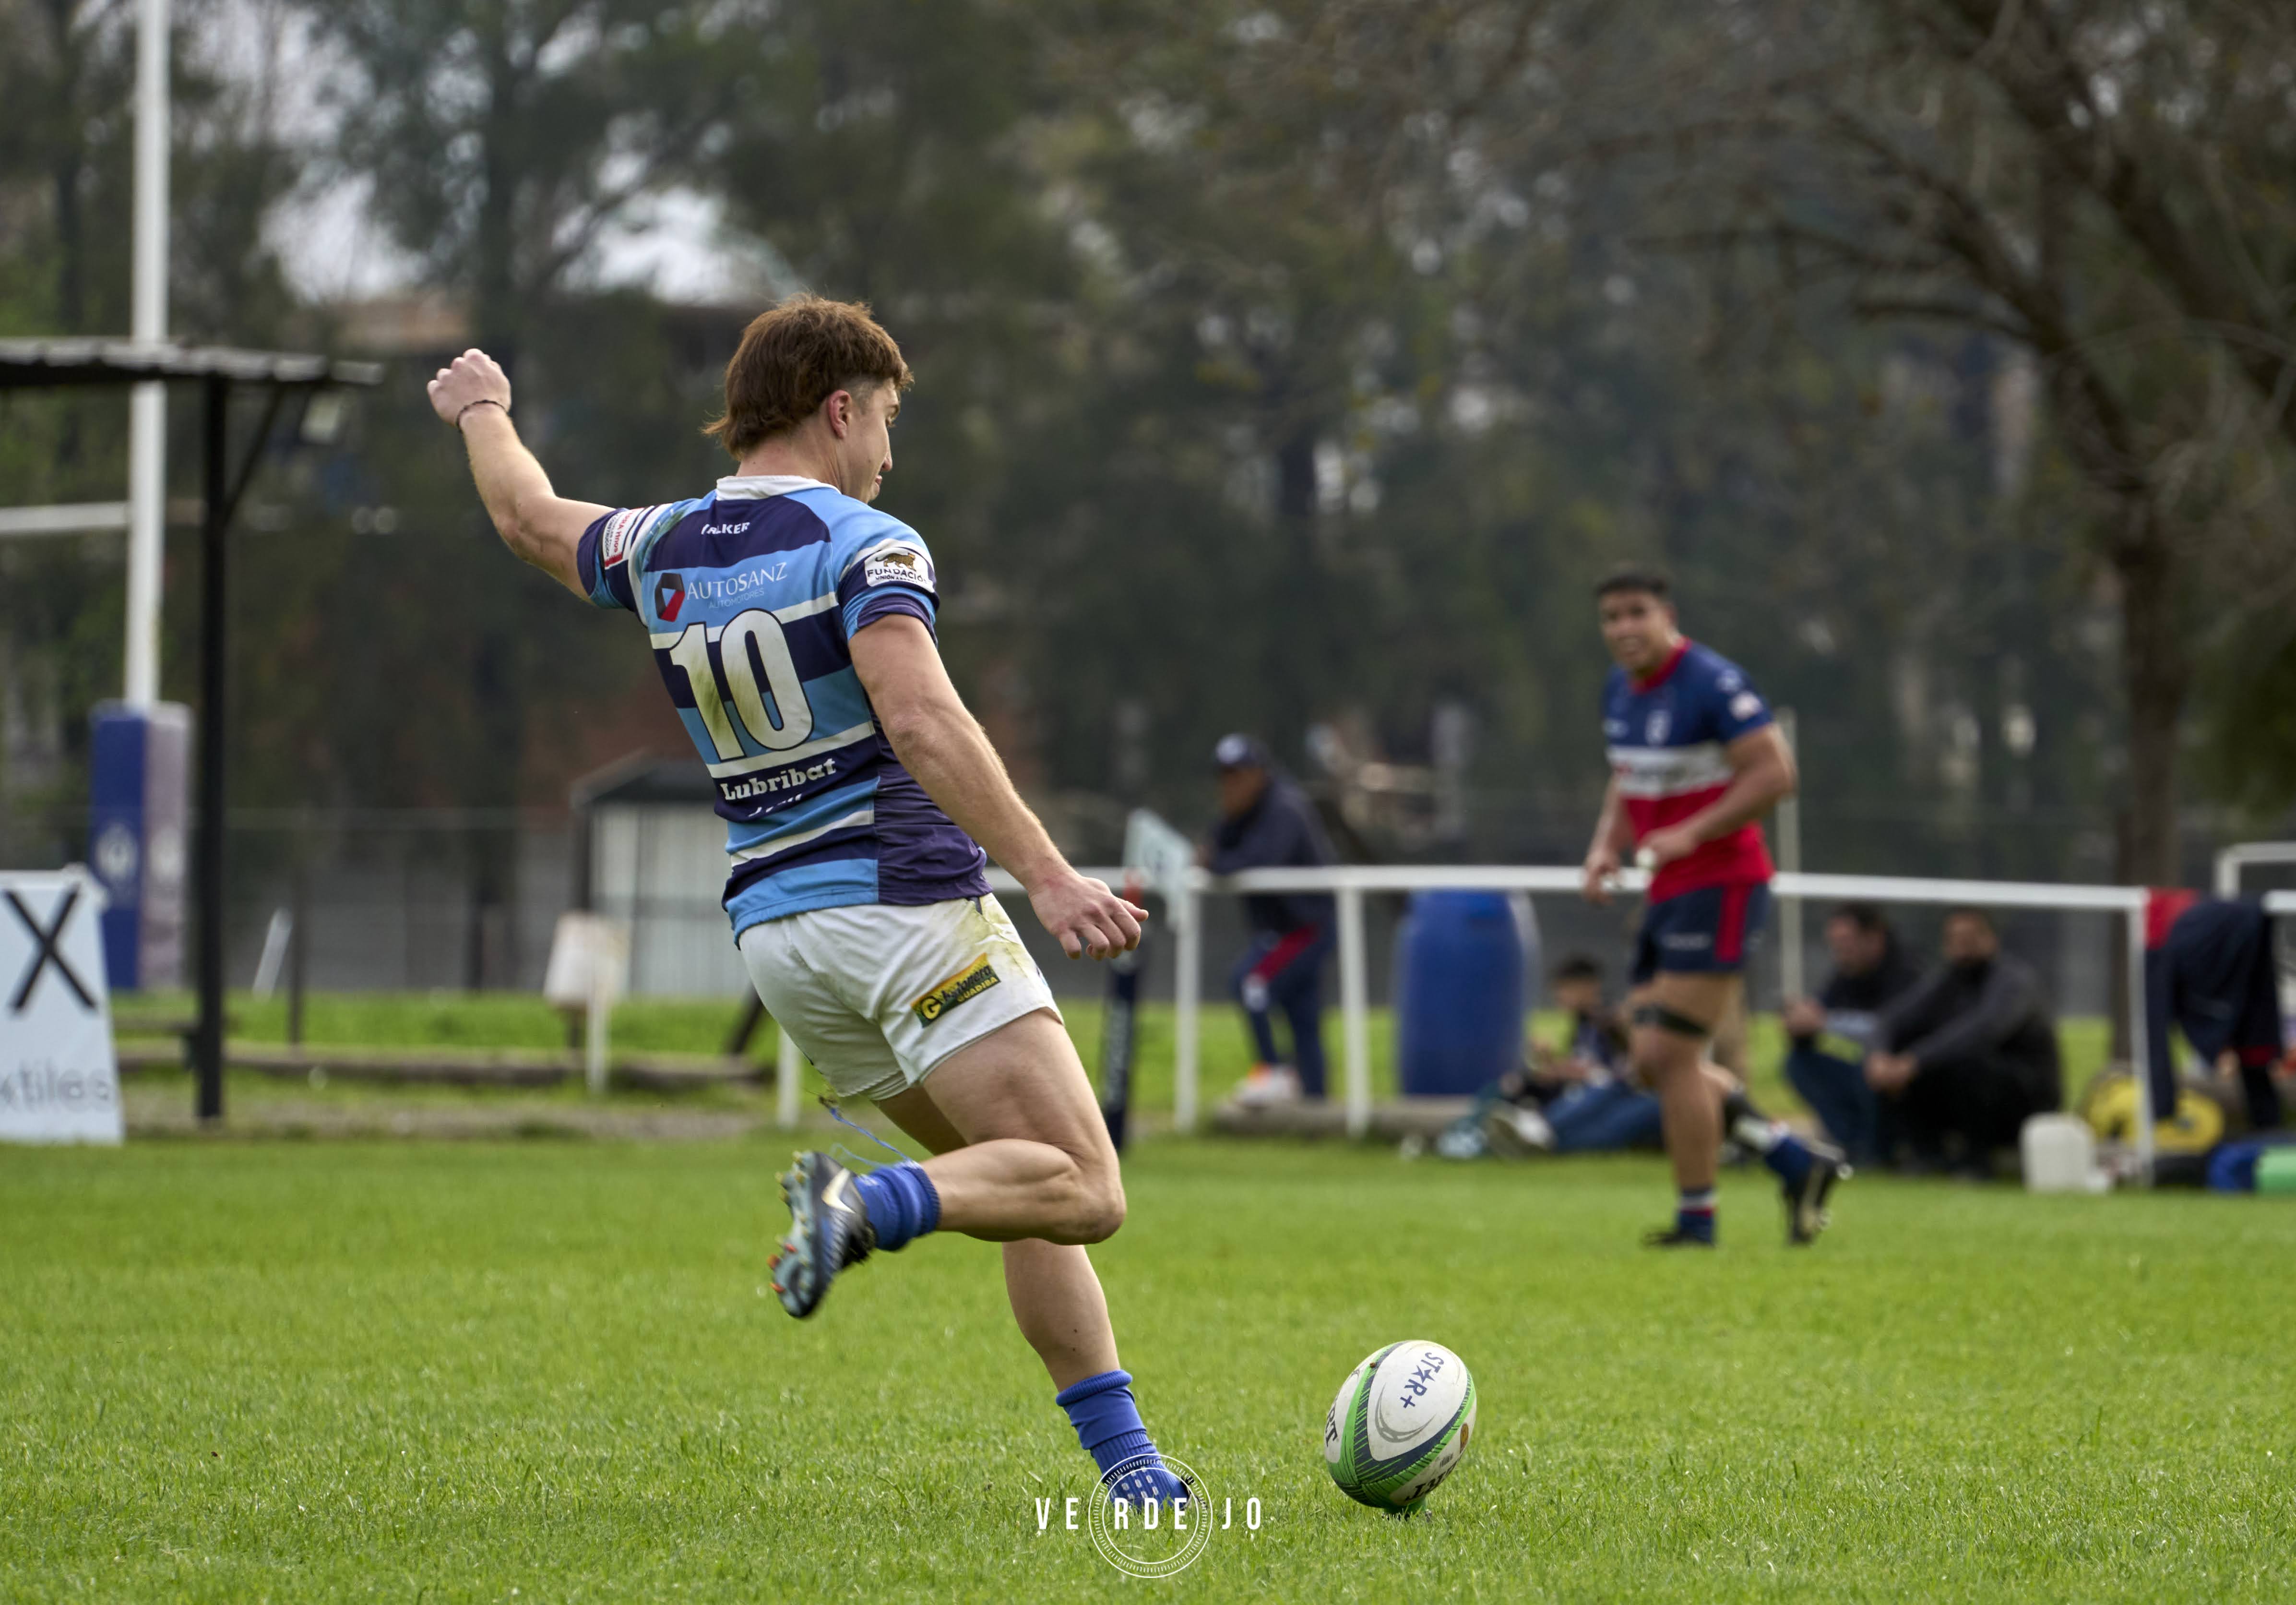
(1400, 1425)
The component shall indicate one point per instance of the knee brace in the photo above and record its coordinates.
(1660, 1017)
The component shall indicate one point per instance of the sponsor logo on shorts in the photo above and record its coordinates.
(897, 565)
(968, 982)
(1685, 941)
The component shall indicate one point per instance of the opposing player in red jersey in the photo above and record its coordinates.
(1695, 761)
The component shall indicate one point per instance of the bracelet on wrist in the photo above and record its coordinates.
(481, 401)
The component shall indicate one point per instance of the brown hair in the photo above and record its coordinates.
(1634, 577)
(793, 358)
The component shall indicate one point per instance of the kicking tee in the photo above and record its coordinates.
(751, 596)
(1666, 736)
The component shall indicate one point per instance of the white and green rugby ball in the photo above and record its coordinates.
(1400, 1425)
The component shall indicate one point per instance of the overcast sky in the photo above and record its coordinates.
(331, 247)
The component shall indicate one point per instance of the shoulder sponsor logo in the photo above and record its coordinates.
(966, 984)
(897, 565)
(621, 530)
(1730, 680)
(1745, 706)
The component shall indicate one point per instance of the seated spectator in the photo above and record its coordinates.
(1961, 1061)
(1567, 1100)
(1829, 1038)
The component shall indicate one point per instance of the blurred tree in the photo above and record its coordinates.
(499, 140)
(1293, 366)
(1376, 227)
(885, 154)
(2097, 185)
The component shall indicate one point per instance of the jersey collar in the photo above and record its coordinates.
(758, 487)
(1659, 676)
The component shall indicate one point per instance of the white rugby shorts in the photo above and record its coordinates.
(876, 994)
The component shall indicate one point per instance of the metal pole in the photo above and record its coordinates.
(1353, 1007)
(1792, 980)
(1187, 981)
(298, 939)
(147, 408)
(2139, 1040)
(208, 1041)
(594, 1043)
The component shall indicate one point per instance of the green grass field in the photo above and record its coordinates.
(550, 1370)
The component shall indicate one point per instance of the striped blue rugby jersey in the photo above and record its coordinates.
(751, 595)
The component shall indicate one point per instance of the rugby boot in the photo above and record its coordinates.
(1804, 1199)
(1673, 1237)
(829, 1230)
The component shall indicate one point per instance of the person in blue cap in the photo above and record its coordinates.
(1267, 822)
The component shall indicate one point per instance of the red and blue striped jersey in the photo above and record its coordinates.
(1666, 735)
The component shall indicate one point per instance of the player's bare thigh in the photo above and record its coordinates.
(1023, 1081)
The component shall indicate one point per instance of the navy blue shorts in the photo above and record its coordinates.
(1706, 932)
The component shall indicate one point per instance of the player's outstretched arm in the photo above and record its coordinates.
(539, 526)
(1761, 776)
(938, 741)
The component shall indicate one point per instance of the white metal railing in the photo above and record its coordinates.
(65, 519)
(2238, 857)
(1348, 883)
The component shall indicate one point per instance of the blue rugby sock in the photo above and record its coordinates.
(1693, 1216)
(1786, 1154)
(1789, 1156)
(900, 1202)
(1107, 1422)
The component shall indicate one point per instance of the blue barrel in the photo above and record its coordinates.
(1458, 994)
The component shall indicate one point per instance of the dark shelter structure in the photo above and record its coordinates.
(218, 371)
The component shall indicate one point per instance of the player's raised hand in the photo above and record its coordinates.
(1596, 874)
(1087, 918)
(470, 379)
(1663, 847)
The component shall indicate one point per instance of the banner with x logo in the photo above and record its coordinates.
(59, 1078)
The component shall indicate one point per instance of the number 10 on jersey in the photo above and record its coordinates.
(752, 644)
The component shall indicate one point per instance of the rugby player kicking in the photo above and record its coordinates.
(794, 628)
(1695, 761)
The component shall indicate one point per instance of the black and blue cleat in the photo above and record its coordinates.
(1806, 1197)
(829, 1230)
